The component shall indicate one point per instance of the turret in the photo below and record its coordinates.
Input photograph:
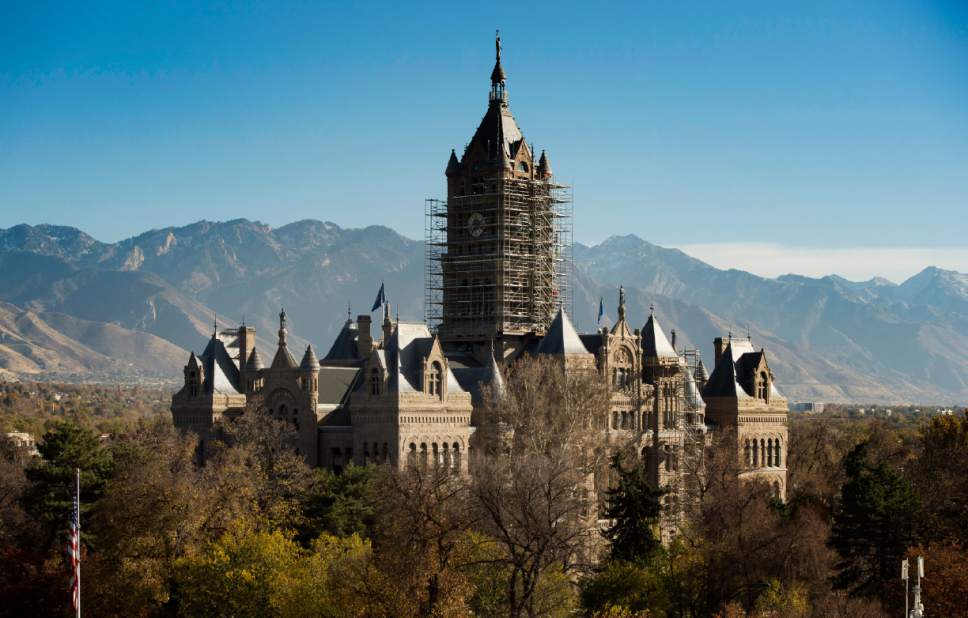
(309, 368)
(453, 165)
(544, 167)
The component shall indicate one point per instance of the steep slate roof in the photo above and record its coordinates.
(654, 342)
(561, 337)
(221, 374)
(732, 376)
(344, 347)
(471, 375)
(335, 384)
(409, 345)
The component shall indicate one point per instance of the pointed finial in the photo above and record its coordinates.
(282, 328)
(349, 311)
(621, 302)
(215, 325)
(651, 308)
(497, 75)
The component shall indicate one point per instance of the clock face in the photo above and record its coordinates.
(475, 224)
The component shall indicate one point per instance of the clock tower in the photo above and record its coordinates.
(499, 247)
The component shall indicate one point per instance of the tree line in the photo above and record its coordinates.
(246, 529)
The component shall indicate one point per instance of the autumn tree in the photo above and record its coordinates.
(940, 479)
(419, 544)
(544, 441)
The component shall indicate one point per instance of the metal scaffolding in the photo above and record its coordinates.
(498, 260)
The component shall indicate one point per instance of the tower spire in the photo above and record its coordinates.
(498, 92)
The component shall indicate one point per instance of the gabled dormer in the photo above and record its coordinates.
(435, 371)
(194, 377)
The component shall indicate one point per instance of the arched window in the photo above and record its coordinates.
(435, 379)
(776, 455)
(668, 458)
(769, 452)
(446, 455)
(436, 454)
(283, 411)
(423, 454)
(412, 455)
(615, 419)
(455, 455)
(756, 454)
(747, 454)
(763, 387)
(763, 462)
(375, 381)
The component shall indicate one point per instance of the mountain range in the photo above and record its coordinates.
(72, 305)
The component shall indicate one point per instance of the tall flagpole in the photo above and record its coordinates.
(78, 497)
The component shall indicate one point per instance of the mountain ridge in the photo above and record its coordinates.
(833, 338)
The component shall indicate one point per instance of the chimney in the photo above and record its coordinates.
(718, 346)
(246, 335)
(364, 340)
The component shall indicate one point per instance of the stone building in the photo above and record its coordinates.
(406, 394)
(742, 401)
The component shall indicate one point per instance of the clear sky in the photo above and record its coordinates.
(815, 126)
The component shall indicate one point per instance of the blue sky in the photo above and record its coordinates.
(822, 126)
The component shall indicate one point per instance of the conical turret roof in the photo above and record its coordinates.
(254, 362)
(309, 361)
(654, 342)
(453, 165)
(561, 338)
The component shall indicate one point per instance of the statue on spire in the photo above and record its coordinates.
(282, 328)
(621, 302)
(497, 75)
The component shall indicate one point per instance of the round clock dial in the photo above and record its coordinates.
(475, 224)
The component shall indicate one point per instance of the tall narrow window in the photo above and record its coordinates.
(435, 379)
(375, 381)
(192, 384)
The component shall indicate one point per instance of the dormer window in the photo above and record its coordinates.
(763, 387)
(435, 380)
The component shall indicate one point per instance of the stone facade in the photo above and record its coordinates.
(407, 395)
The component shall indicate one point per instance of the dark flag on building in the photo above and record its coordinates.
(381, 299)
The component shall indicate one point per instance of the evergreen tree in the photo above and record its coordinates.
(634, 507)
(65, 448)
(874, 525)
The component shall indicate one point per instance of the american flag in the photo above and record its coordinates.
(74, 553)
